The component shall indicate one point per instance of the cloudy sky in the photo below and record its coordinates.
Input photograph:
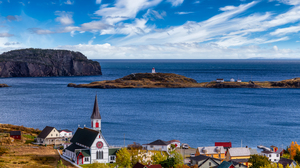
(154, 29)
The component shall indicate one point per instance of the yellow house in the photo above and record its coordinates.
(49, 136)
(217, 152)
(240, 155)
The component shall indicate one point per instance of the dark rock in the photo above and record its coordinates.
(46, 62)
(72, 85)
(3, 85)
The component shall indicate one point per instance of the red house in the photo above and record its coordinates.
(226, 145)
(16, 134)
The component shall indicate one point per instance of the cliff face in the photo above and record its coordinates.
(46, 62)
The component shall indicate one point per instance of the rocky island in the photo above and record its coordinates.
(3, 85)
(169, 80)
(46, 62)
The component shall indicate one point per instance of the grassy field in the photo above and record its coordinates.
(23, 154)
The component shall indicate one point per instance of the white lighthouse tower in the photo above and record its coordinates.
(96, 117)
(153, 70)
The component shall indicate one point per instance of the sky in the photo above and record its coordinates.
(154, 29)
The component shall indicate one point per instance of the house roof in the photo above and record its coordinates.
(240, 160)
(225, 164)
(66, 130)
(211, 150)
(203, 157)
(224, 144)
(72, 147)
(239, 152)
(85, 136)
(237, 163)
(174, 140)
(15, 133)
(113, 151)
(85, 153)
(45, 132)
(285, 161)
(279, 150)
(267, 152)
(96, 113)
(253, 151)
(140, 165)
(158, 142)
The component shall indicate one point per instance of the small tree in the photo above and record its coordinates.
(157, 158)
(168, 163)
(123, 158)
(258, 161)
(297, 156)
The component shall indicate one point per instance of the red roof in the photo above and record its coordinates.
(224, 144)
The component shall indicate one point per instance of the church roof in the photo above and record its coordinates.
(85, 136)
(96, 113)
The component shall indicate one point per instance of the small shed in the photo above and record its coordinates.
(232, 80)
(238, 80)
(219, 80)
(16, 134)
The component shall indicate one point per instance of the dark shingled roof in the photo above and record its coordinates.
(158, 142)
(285, 161)
(15, 132)
(113, 151)
(72, 147)
(96, 113)
(85, 153)
(85, 136)
(203, 157)
(225, 164)
(45, 132)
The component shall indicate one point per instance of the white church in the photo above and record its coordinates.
(89, 145)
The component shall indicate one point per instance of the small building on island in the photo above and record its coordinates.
(49, 136)
(232, 80)
(219, 80)
(153, 70)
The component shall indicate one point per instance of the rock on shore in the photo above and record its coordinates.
(3, 85)
(46, 62)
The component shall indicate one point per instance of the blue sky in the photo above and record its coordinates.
(154, 29)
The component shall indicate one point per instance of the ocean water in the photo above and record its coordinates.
(197, 116)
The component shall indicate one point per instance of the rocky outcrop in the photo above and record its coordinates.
(46, 62)
(3, 85)
(143, 80)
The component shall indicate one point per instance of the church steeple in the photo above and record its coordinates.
(96, 117)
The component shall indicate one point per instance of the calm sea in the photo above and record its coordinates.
(197, 116)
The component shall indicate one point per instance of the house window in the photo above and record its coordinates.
(112, 157)
(151, 146)
(209, 163)
(269, 155)
(240, 165)
(56, 135)
(274, 159)
(219, 155)
(99, 155)
(51, 135)
(86, 159)
(212, 156)
(277, 155)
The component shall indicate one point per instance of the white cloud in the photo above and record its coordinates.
(284, 31)
(196, 2)
(179, 51)
(6, 35)
(227, 8)
(40, 31)
(69, 2)
(124, 10)
(175, 2)
(98, 1)
(153, 15)
(183, 13)
(290, 2)
(65, 18)
(275, 48)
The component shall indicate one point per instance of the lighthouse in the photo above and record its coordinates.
(96, 117)
(153, 70)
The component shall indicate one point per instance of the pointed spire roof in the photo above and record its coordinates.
(96, 113)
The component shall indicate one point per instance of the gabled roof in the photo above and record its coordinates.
(113, 151)
(203, 157)
(96, 113)
(85, 153)
(66, 130)
(253, 151)
(279, 150)
(15, 132)
(224, 144)
(225, 164)
(72, 147)
(285, 162)
(239, 152)
(45, 132)
(158, 142)
(174, 140)
(85, 136)
(268, 152)
(211, 150)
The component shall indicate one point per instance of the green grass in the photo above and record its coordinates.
(28, 136)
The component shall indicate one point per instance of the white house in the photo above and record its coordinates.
(273, 156)
(232, 80)
(158, 145)
(49, 135)
(89, 145)
(219, 80)
(153, 70)
(65, 133)
(238, 80)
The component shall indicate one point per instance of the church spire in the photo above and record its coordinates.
(96, 113)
